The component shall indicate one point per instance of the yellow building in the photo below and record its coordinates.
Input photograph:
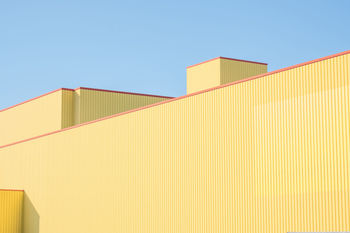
(243, 151)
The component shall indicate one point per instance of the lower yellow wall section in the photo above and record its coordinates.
(271, 155)
(11, 211)
(31, 119)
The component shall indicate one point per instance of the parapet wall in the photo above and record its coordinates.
(63, 108)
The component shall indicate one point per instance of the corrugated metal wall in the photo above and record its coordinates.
(67, 108)
(266, 155)
(231, 70)
(95, 104)
(11, 211)
(76, 106)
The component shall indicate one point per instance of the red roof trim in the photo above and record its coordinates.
(84, 88)
(227, 58)
(16, 190)
(122, 92)
(182, 97)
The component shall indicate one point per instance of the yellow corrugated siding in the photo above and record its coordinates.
(76, 106)
(203, 76)
(231, 71)
(268, 155)
(11, 211)
(95, 104)
(31, 119)
(67, 108)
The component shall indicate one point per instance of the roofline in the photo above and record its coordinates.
(16, 190)
(227, 58)
(60, 89)
(83, 88)
(122, 92)
(182, 97)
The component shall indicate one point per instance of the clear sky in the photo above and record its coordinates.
(145, 46)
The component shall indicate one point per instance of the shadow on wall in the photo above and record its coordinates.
(30, 217)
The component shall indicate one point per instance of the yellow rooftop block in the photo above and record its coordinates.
(221, 70)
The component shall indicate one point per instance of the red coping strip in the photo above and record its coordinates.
(83, 88)
(122, 92)
(227, 58)
(182, 97)
(16, 190)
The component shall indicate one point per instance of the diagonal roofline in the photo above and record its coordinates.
(82, 88)
(26, 101)
(182, 97)
(121, 92)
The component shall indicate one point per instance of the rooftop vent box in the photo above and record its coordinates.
(219, 71)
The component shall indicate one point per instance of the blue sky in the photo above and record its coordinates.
(145, 46)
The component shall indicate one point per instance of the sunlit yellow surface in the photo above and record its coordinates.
(31, 119)
(203, 76)
(267, 155)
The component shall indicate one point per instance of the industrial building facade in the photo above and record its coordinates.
(243, 151)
